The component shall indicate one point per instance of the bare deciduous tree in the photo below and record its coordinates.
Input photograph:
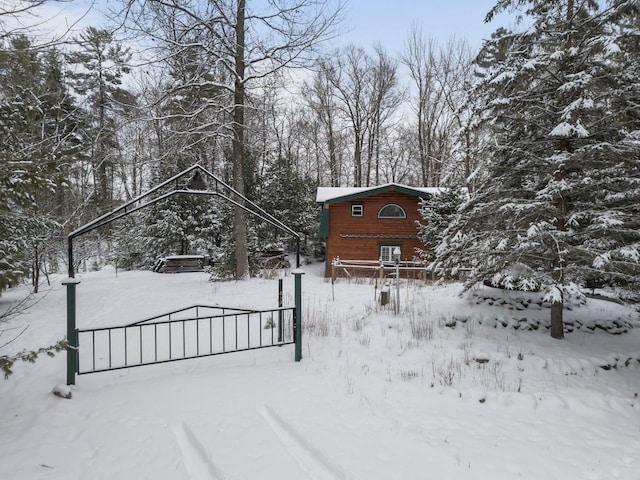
(429, 69)
(385, 101)
(242, 41)
(320, 96)
(352, 79)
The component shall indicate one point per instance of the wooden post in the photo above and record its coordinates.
(333, 278)
(396, 256)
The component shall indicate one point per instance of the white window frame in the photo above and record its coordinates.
(404, 214)
(386, 252)
(354, 208)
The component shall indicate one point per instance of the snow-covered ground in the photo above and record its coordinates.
(376, 396)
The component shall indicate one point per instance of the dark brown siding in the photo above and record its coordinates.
(395, 230)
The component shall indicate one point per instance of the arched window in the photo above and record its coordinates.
(391, 210)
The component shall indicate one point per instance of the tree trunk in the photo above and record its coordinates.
(240, 221)
(421, 148)
(377, 154)
(557, 324)
(333, 161)
(367, 175)
(36, 270)
(357, 161)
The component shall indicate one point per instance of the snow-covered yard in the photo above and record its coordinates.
(376, 396)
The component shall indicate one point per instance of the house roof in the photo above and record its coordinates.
(344, 194)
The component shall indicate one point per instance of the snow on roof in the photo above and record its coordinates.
(325, 194)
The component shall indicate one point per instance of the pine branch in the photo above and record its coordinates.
(6, 361)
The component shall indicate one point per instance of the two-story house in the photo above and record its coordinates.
(369, 223)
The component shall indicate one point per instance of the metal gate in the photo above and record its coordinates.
(106, 358)
(191, 332)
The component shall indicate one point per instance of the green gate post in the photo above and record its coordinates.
(297, 273)
(72, 332)
(280, 313)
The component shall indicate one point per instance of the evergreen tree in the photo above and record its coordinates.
(28, 160)
(100, 64)
(289, 196)
(436, 212)
(563, 194)
(63, 125)
(182, 225)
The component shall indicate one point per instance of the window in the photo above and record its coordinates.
(357, 210)
(392, 210)
(386, 252)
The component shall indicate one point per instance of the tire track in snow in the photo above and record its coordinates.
(194, 457)
(310, 460)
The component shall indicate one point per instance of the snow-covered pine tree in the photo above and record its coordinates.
(181, 225)
(563, 195)
(289, 196)
(98, 66)
(285, 194)
(29, 158)
(29, 168)
(436, 212)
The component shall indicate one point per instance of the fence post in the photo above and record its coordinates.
(297, 273)
(72, 332)
(280, 313)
